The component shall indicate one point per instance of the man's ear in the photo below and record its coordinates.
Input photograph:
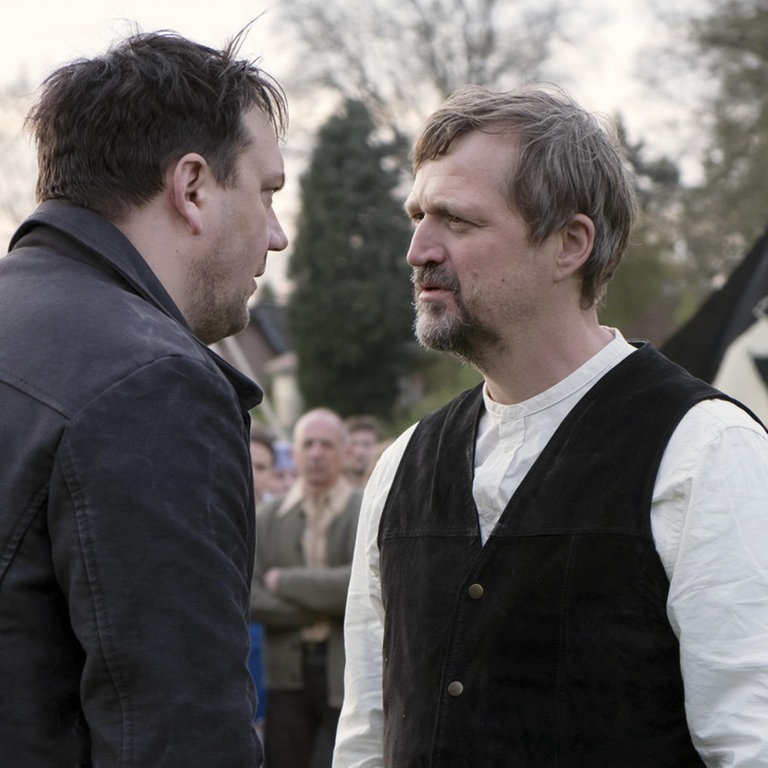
(190, 178)
(577, 239)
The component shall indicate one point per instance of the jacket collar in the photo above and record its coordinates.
(105, 246)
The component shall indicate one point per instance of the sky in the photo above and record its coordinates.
(608, 37)
(46, 33)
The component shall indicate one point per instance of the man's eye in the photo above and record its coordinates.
(456, 222)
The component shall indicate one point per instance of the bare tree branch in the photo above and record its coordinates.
(401, 57)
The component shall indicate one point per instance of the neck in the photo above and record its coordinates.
(315, 491)
(159, 245)
(529, 369)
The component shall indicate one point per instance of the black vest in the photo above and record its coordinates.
(550, 645)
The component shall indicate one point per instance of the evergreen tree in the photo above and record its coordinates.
(727, 213)
(350, 309)
(644, 297)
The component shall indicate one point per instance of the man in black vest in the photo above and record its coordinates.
(565, 566)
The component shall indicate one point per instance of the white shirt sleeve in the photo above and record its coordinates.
(360, 735)
(710, 525)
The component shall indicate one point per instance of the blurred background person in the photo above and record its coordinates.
(363, 435)
(263, 464)
(374, 457)
(305, 541)
(284, 474)
(263, 468)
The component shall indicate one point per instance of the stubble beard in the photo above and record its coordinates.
(214, 314)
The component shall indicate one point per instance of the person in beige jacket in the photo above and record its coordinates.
(304, 547)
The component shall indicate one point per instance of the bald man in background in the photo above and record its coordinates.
(305, 541)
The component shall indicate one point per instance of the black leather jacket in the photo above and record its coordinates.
(126, 523)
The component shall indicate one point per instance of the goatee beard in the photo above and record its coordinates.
(445, 329)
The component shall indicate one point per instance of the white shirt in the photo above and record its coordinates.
(709, 518)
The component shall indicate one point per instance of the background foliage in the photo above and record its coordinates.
(384, 65)
(349, 311)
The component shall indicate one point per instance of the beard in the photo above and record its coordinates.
(444, 328)
(213, 313)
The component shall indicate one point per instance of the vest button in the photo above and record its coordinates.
(476, 591)
(455, 688)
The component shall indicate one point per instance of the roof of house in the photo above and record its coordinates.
(268, 318)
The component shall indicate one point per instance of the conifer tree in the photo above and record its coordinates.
(727, 212)
(350, 310)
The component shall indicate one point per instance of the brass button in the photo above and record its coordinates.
(455, 688)
(476, 591)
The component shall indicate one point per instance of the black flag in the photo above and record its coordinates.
(700, 344)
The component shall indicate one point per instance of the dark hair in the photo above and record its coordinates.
(563, 161)
(363, 423)
(107, 128)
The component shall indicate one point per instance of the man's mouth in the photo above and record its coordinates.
(426, 281)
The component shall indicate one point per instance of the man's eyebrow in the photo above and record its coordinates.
(438, 208)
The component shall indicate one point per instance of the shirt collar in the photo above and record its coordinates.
(581, 379)
(336, 497)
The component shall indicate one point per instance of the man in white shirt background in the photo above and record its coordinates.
(566, 565)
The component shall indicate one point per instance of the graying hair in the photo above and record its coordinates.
(564, 161)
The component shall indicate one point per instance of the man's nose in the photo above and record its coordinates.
(278, 241)
(425, 246)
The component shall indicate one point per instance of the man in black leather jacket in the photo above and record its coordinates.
(126, 507)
